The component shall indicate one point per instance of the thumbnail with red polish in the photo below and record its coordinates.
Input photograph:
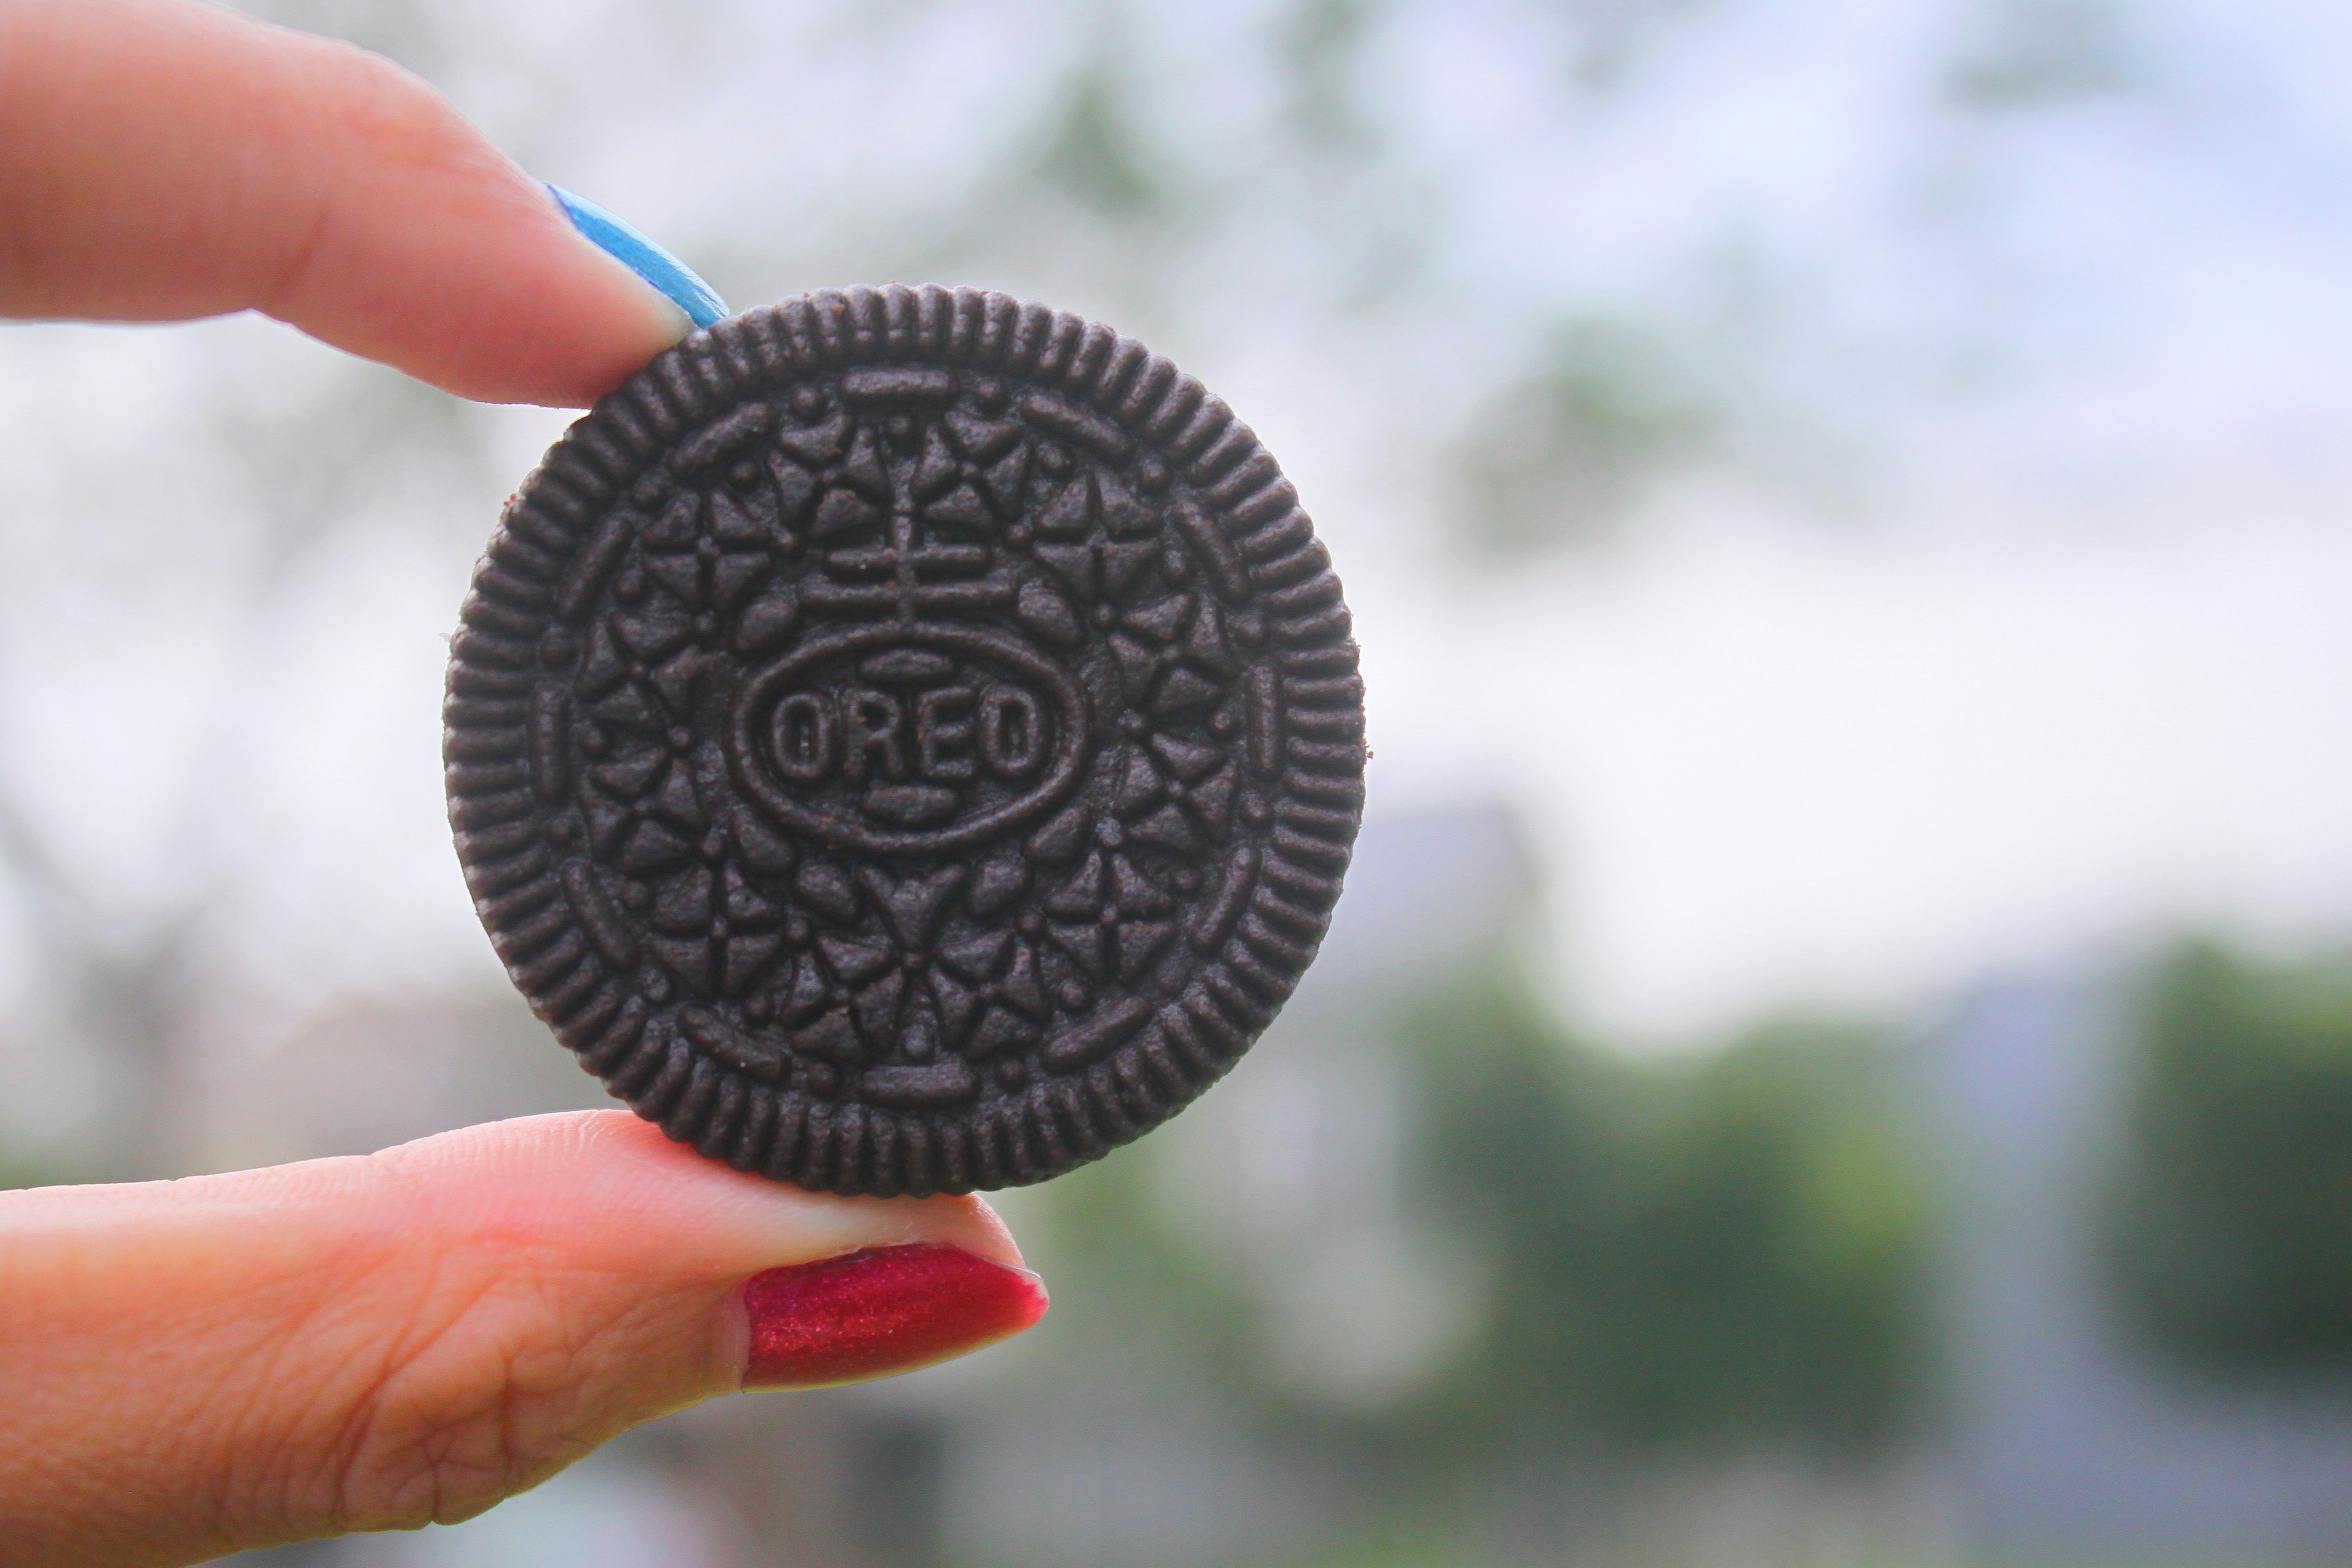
(888, 1309)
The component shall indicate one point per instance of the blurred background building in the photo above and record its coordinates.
(1837, 1048)
(2072, 1426)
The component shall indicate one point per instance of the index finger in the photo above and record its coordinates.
(161, 160)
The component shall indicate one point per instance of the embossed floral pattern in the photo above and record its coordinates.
(813, 520)
(906, 733)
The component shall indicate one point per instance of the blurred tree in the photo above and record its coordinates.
(1529, 1142)
(1569, 447)
(1788, 1221)
(1092, 149)
(1323, 44)
(16, 1171)
(2026, 53)
(1719, 1254)
(125, 966)
(2231, 1216)
(1606, 42)
(1126, 1273)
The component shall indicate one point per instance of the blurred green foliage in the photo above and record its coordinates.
(1323, 41)
(1092, 148)
(2031, 53)
(1570, 447)
(1709, 1255)
(1706, 1254)
(1130, 1273)
(2231, 1218)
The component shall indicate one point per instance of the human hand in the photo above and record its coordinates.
(199, 1366)
(161, 160)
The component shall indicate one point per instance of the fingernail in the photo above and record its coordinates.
(673, 278)
(888, 1309)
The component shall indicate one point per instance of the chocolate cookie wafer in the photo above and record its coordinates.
(906, 740)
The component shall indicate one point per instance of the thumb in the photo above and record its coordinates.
(223, 1362)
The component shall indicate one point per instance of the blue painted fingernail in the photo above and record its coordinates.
(665, 272)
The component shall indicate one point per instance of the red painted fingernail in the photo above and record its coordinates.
(888, 1309)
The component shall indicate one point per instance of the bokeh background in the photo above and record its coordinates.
(1837, 1048)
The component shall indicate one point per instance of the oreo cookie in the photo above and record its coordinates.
(905, 740)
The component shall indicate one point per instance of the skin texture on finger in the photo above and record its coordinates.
(162, 160)
(222, 1362)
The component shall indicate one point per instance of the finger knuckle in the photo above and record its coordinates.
(486, 1391)
(386, 106)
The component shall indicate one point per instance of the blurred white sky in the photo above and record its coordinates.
(2000, 619)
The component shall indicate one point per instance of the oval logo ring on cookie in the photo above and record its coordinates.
(908, 738)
